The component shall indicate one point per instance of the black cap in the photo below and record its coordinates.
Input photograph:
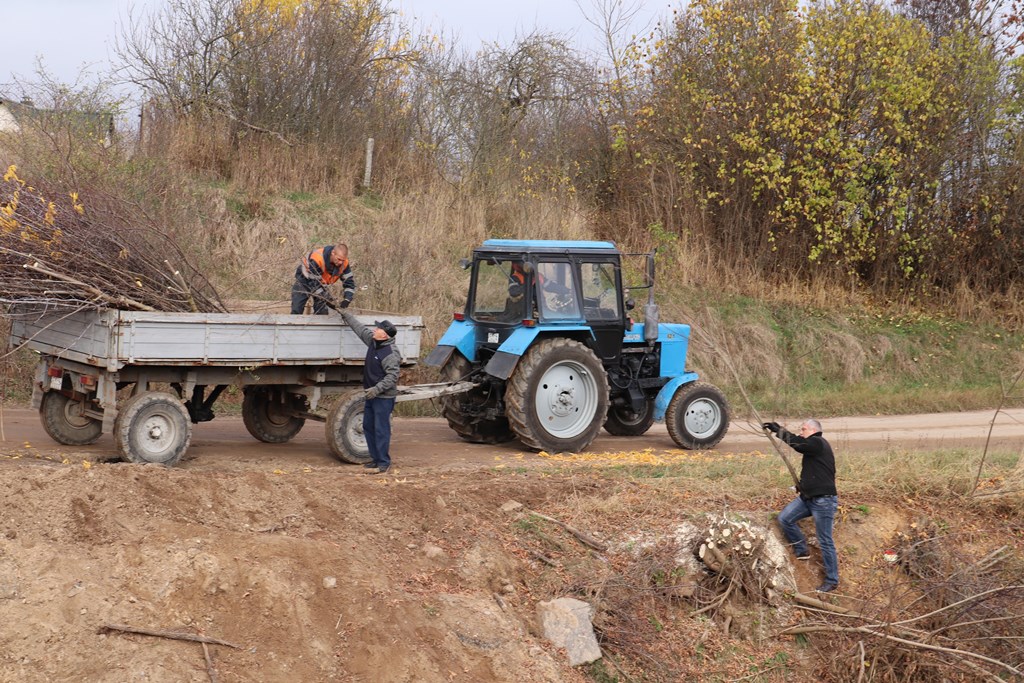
(388, 327)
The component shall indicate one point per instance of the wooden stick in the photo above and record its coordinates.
(173, 635)
(209, 664)
(38, 267)
(706, 338)
(184, 286)
(542, 557)
(583, 538)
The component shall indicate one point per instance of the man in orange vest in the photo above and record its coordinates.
(318, 269)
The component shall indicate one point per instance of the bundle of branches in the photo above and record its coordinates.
(737, 558)
(56, 252)
(940, 611)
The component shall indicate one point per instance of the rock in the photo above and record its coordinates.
(330, 582)
(432, 551)
(512, 506)
(566, 623)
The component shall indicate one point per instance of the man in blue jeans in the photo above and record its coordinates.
(816, 497)
(380, 384)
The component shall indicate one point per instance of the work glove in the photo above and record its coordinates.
(345, 303)
(772, 427)
(372, 392)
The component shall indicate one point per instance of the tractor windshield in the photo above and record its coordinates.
(500, 291)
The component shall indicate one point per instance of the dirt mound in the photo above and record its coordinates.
(317, 575)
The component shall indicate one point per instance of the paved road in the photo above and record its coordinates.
(429, 443)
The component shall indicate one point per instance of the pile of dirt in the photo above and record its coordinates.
(317, 575)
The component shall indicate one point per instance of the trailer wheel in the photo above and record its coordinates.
(63, 420)
(153, 427)
(345, 430)
(461, 410)
(623, 421)
(698, 416)
(557, 398)
(268, 414)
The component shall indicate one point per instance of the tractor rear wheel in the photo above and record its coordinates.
(462, 410)
(557, 398)
(624, 421)
(698, 416)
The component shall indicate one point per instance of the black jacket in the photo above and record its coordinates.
(382, 359)
(818, 469)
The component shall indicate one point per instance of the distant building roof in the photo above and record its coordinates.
(15, 115)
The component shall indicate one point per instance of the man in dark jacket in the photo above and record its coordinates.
(816, 497)
(380, 382)
(318, 269)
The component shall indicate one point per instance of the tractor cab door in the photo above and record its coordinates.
(578, 291)
(602, 305)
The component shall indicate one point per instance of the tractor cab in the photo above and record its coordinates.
(549, 285)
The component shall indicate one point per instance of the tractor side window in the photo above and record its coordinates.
(600, 295)
(499, 296)
(557, 291)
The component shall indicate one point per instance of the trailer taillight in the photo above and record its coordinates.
(54, 371)
(88, 381)
(529, 322)
(461, 317)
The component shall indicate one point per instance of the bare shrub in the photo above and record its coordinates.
(940, 610)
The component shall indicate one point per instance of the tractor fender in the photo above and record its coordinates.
(668, 391)
(505, 359)
(461, 335)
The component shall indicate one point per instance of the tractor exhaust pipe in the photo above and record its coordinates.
(652, 316)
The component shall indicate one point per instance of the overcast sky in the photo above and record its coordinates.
(71, 34)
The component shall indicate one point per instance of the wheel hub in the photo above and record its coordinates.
(566, 399)
(564, 403)
(159, 434)
(702, 417)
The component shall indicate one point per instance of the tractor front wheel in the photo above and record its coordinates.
(557, 398)
(698, 416)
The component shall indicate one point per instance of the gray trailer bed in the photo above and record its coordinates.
(112, 339)
(283, 363)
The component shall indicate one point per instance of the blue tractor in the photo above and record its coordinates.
(547, 342)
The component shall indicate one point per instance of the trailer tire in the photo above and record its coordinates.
(344, 428)
(622, 421)
(557, 398)
(458, 409)
(153, 427)
(697, 416)
(267, 418)
(63, 420)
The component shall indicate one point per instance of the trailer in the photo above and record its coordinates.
(147, 377)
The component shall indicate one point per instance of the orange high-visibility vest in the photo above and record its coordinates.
(317, 256)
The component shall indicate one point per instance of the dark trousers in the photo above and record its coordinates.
(377, 429)
(302, 290)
